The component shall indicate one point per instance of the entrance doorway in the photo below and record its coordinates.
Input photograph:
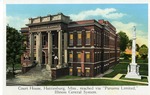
(43, 58)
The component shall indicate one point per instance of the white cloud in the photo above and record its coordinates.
(16, 22)
(110, 13)
(142, 37)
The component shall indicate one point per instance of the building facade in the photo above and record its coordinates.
(79, 48)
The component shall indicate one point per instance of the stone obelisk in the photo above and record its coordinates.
(133, 68)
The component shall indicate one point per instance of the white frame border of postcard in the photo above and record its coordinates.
(63, 47)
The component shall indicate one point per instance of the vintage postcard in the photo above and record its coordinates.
(79, 49)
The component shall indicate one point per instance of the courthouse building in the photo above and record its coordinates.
(79, 48)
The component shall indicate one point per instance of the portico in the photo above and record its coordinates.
(50, 46)
(55, 38)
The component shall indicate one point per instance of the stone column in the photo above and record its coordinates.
(59, 49)
(48, 66)
(65, 48)
(134, 49)
(31, 47)
(39, 48)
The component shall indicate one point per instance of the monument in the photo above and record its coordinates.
(133, 68)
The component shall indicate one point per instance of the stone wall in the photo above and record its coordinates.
(56, 73)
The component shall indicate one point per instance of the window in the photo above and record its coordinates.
(88, 38)
(34, 40)
(44, 40)
(25, 43)
(95, 41)
(78, 71)
(87, 56)
(79, 56)
(71, 39)
(71, 56)
(79, 39)
(87, 71)
(34, 55)
(98, 40)
(98, 56)
(70, 71)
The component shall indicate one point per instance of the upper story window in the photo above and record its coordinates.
(79, 56)
(105, 39)
(25, 43)
(95, 41)
(71, 56)
(34, 40)
(71, 39)
(88, 37)
(43, 39)
(79, 38)
(87, 56)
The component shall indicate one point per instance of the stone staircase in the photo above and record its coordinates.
(32, 77)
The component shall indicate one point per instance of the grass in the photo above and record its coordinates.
(87, 82)
(142, 61)
(143, 79)
(10, 75)
(122, 68)
(138, 60)
(69, 77)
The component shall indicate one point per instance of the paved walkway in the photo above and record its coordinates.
(118, 76)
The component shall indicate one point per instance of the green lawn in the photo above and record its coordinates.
(138, 60)
(122, 68)
(86, 82)
(69, 77)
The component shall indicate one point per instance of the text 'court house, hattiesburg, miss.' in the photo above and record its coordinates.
(66, 47)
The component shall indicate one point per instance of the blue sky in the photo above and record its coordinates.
(122, 16)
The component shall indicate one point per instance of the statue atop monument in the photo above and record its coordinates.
(134, 31)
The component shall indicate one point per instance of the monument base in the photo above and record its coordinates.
(133, 71)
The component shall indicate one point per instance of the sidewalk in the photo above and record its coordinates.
(118, 76)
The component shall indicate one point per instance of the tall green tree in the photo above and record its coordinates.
(143, 51)
(15, 47)
(129, 45)
(124, 39)
(137, 47)
(143, 46)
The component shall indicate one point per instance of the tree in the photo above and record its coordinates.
(124, 39)
(129, 45)
(143, 46)
(137, 47)
(143, 51)
(15, 47)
